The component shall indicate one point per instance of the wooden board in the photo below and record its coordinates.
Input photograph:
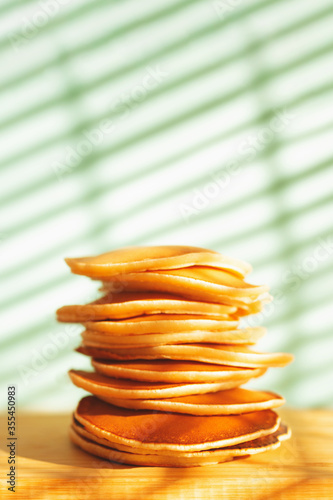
(50, 467)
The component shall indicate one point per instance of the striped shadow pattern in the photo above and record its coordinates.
(197, 122)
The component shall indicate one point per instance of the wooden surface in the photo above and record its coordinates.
(50, 467)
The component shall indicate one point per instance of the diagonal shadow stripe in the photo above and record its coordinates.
(292, 103)
(11, 5)
(301, 373)
(197, 147)
(113, 34)
(114, 75)
(32, 150)
(14, 372)
(290, 248)
(59, 209)
(36, 330)
(284, 318)
(236, 129)
(319, 337)
(172, 226)
(83, 11)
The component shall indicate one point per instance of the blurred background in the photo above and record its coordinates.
(197, 122)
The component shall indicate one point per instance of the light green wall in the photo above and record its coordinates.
(204, 123)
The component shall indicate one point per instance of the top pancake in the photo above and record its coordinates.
(157, 430)
(140, 259)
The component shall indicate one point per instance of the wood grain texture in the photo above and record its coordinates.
(50, 467)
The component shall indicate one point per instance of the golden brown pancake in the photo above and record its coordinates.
(230, 355)
(227, 402)
(103, 386)
(160, 323)
(283, 433)
(166, 370)
(247, 336)
(139, 259)
(172, 431)
(252, 308)
(197, 283)
(126, 455)
(122, 305)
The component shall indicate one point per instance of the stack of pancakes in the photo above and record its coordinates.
(170, 355)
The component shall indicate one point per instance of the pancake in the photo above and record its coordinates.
(207, 353)
(282, 433)
(152, 430)
(123, 305)
(245, 336)
(166, 370)
(103, 386)
(160, 323)
(139, 259)
(253, 308)
(228, 402)
(98, 447)
(197, 282)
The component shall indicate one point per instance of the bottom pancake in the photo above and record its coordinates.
(101, 448)
(154, 430)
